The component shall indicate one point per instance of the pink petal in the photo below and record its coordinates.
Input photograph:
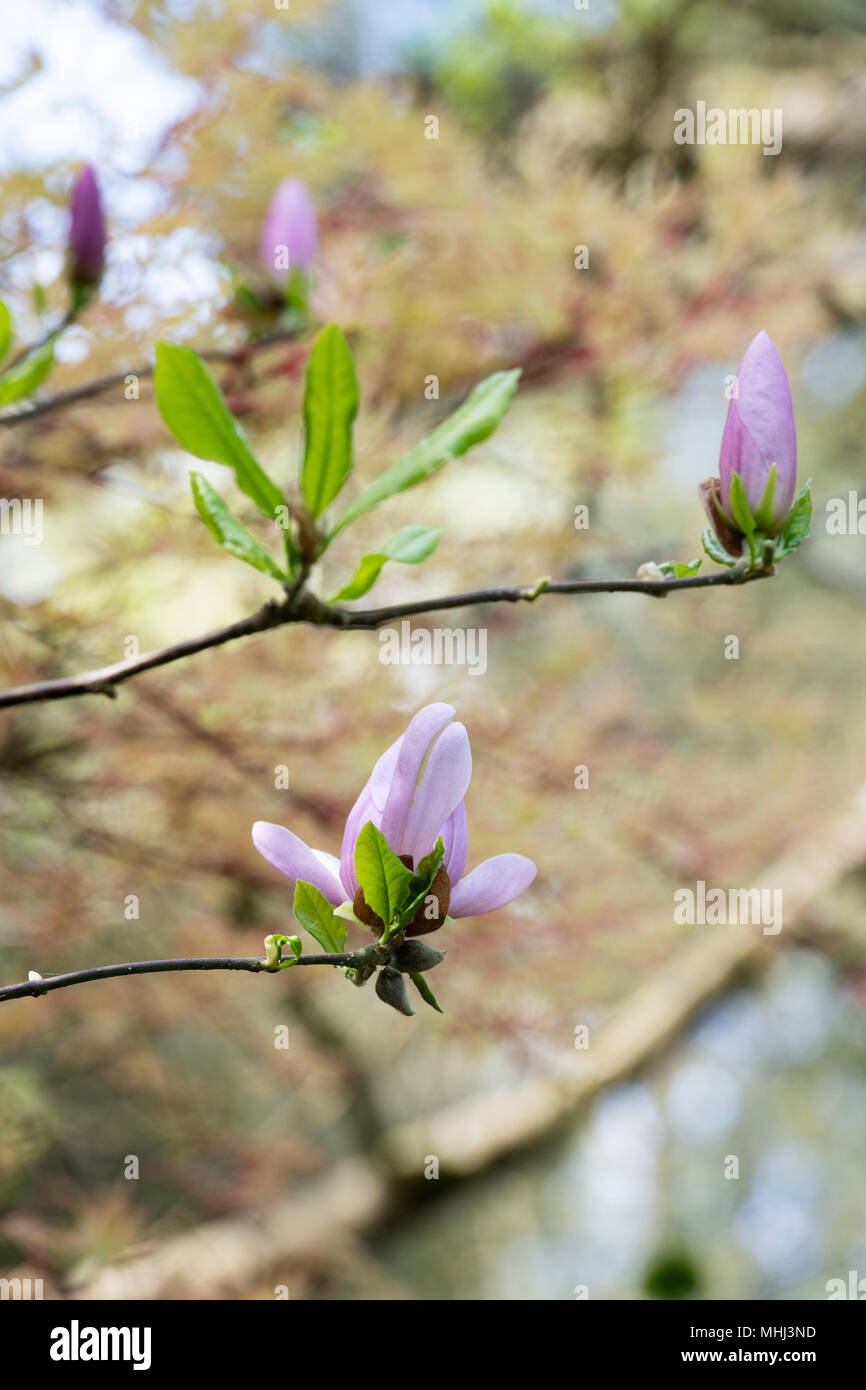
(414, 748)
(443, 784)
(492, 884)
(296, 860)
(382, 774)
(456, 840)
(363, 810)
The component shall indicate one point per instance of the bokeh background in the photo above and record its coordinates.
(450, 257)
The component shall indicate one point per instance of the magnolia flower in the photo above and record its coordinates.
(289, 232)
(87, 230)
(759, 445)
(413, 795)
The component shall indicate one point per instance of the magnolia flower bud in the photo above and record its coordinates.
(758, 458)
(391, 990)
(290, 236)
(86, 231)
(414, 956)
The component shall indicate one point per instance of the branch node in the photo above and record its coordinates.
(537, 589)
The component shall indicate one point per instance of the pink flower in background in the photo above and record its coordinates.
(87, 230)
(290, 235)
(414, 794)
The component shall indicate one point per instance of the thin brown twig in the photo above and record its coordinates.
(305, 607)
(99, 385)
(44, 985)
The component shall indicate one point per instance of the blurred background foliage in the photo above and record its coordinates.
(449, 257)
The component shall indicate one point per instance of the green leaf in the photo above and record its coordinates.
(426, 992)
(228, 532)
(384, 880)
(764, 510)
(23, 379)
(429, 866)
(472, 422)
(740, 506)
(330, 406)
(315, 913)
(427, 869)
(716, 551)
(796, 527)
(410, 546)
(192, 405)
(678, 569)
(7, 330)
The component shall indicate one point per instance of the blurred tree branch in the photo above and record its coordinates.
(234, 356)
(302, 606)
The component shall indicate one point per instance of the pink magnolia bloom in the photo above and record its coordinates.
(759, 432)
(87, 229)
(414, 794)
(289, 231)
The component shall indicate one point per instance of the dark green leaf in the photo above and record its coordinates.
(426, 992)
(472, 422)
(228, 532)
(330, 406)
(192, 405)
(315, 913)
(384, 880)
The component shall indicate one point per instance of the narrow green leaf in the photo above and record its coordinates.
(410, 546)
(716, 551)
(316, 915)
(23, 379)
(192, 405)
(7, 330)
(740, 506)
(383, 878)
(472, 422)
(426, 992)
(764, 510)
(228, 532)
(330, 406)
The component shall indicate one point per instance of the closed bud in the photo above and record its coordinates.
(416, 956)
(86, 231)
(289, 237)
(391, 990)
(758, 457)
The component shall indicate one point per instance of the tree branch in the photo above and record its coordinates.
(33, 988)
(99, 385)
(305, 607)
